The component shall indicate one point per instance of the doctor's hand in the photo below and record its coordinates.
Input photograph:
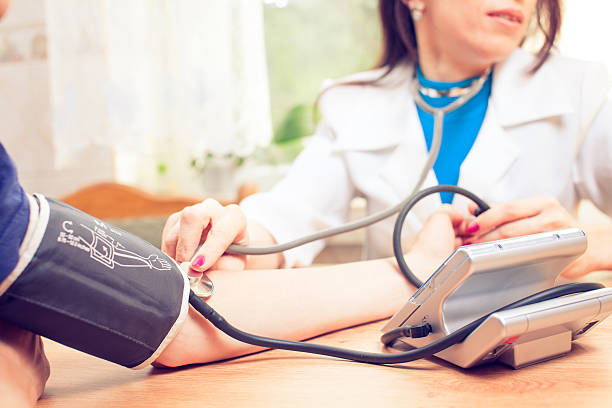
(211, 225)
(24, 368)
(216, 227)
(597, 256)
(516, 218)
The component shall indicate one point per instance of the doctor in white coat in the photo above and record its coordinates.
(543, 143)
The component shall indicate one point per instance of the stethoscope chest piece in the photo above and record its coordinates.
(201, 285)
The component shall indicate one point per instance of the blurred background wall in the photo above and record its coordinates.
(26, 111)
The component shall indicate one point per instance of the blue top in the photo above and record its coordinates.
(14, 215)
(460, 128)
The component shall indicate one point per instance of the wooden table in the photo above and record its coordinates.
(280, 378)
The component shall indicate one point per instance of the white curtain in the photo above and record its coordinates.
(162, 81)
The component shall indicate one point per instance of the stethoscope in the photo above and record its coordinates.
(202, 287)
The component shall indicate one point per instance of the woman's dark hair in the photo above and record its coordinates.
(399, 39)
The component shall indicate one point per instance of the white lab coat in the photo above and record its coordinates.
(546, 134)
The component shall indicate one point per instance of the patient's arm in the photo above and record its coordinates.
(24, 368)
(290, 304)
(301, 303)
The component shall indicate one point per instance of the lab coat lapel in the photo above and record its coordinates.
(517, 97)
(403, 168)
(520, 97)
(492, 154)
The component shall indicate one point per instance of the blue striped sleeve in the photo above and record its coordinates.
(14, 215)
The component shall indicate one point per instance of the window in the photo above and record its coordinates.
(308, 41)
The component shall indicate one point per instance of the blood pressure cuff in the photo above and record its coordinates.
(93, 287)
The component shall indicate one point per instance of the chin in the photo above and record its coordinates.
(495, 52)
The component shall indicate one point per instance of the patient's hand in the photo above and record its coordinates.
(211, 224)
(24, 368)
(436, 241)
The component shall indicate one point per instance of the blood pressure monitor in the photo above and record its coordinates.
(479, 279)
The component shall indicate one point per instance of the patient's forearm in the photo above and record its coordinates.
(290, 304)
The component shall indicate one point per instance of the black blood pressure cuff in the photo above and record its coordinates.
(93, 287)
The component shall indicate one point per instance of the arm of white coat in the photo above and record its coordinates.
(592, 171)
(593, 168)
(314, 195)
(593, 181)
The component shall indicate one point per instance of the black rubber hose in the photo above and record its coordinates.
(399, 222)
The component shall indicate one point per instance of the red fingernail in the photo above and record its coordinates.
(198, 261)
(473, 228)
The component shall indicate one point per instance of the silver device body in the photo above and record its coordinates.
(479, 279)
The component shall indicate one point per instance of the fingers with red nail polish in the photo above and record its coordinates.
(473, 227)
(197, 262)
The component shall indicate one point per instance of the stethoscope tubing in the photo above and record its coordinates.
(438, 114)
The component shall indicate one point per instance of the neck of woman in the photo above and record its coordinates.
(443, 68)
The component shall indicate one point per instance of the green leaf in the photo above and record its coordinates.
(298, 123)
